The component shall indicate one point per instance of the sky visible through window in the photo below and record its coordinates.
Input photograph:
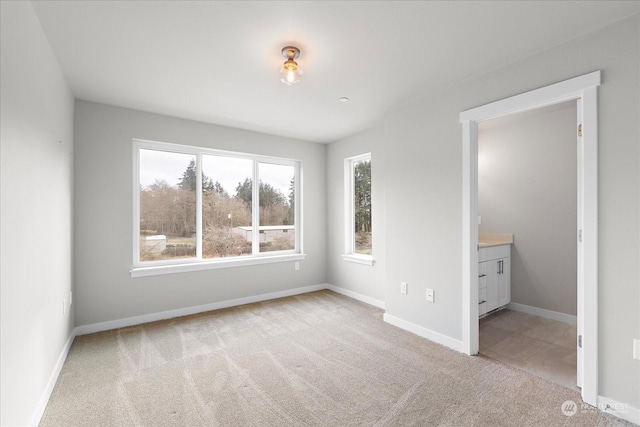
(171, 226)
(229, 171)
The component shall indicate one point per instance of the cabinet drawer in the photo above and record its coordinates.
(482, 296)
(482, 282)
(482, 309)
(482, 275)
(494, 252)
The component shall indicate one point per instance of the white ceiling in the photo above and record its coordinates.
(218, 62)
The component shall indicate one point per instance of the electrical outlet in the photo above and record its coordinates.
(430, 295)
(296, 266)
(636, 349)
(403, 288)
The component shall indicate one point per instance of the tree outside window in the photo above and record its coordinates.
(362, 206)
(358, 209)
(176, 221)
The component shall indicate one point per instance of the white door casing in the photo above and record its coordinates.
(582, 89)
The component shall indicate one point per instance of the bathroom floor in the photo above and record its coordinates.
(543, 347)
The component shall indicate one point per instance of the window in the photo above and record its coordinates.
(196, 208)
(358, 237)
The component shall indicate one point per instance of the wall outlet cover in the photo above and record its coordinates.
(403, 288)
(430, 295)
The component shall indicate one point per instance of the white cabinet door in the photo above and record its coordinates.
(494, 278)
(504, 281)
(492, 284)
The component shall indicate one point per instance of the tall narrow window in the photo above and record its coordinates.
(198, 208)
(358, 213)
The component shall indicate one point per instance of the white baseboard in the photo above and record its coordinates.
(53, 378)
(424, 332)
(541, 312)
(355, 295)
(619, 409)
(186, 311)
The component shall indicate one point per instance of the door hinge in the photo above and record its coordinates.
(580, 130)
(580, 341)
(580, 236)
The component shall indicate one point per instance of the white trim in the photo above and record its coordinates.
(255, 209)
(212, 265)
(588, 249)
(298, 200)
(619, 409)
(136, 203)
(584, 89)
(580, 254)
(358, 259)
(424, 332)
(53, 378)
(137, 320)
(542, 97)
(194, 149)
(357, 296)
(541, 312)
(146, 268)
(470, 326)
(186, 311)
(349, 206)
(199, 242)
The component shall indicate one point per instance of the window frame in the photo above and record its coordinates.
(349, 212)
(197, 263)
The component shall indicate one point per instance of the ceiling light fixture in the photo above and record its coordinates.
(343, 99)
(290, 70)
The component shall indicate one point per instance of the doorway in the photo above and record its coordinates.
(583, 90)
(527, 186)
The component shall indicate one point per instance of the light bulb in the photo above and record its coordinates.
(291, 76)
(290, 72)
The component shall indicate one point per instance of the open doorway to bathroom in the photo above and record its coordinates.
(527, 187)
(584, 91)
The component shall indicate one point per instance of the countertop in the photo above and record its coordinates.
(487, 240)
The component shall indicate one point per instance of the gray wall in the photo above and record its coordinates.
(363, 279)
(423, 173)
(104, 222)
(417, 178)
(36, 199)
(527, 185)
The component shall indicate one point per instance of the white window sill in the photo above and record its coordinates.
(359, 259)
(211, 265)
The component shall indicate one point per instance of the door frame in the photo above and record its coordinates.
(584, 90)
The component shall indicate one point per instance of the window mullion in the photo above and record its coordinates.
(136, 204)
(199, 206)
(353, 207)
(255, 210)
(297, 200)
(160, 198)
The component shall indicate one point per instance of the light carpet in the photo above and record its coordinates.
(319, 359)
